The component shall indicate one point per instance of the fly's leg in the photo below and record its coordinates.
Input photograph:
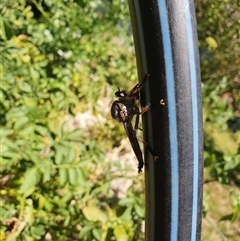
(148, 147)
(144, 110)
(136, 127)
(144, 79)
(134, 91)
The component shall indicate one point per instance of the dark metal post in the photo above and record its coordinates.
(166, 47)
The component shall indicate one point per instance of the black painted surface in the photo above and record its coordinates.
(150, 58)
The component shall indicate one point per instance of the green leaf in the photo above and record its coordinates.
(235, 215)
(36, 113)
(7, 154)
(58, 155)
(21, 122)
(27, 131)
(41, 201)
(5, 132)
(97, 233)
(85, 231)
(16, 113)
(93, 213)
(46, 168)
(65, 154)
(71, 155)
(29, 191)
(120, 233)
(72, 174)
(81, 177)
(126, 201)
(5, 147)
(139, 210)
(60, 131)
(6, 29)
(63, 176)
(74, 135)
(37, 231)
(127, 214)
(24, 86)
(43, 131)
(212, 43)
(231, 162)
(31, 178)
(34, 73)
(226, 217)
(33, 156)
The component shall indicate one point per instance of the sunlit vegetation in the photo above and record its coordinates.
(67, 171)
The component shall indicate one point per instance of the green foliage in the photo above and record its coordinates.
(218, 31)
(58, 58)
(235, 194)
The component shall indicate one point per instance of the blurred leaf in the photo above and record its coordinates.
(37, 231)
(120, 233)
(126, 201)
(211, 42)
(231, 162)
(72, 173)
(14, 113)
(5, 132)
(81, 178)
(42, 130)
(46, 168)
(6, 29)
(139, 210)
(85, 230)
(36, 113)
(74, 135)
(59, 154)
(93, 213)
(24, 86)
(97, 233)
(41, 201)
(21, 122)
(127, 215)
(226, 217)
(63, 176)
(2, 235)
(31, 178)
(60, 131)
(71, 155)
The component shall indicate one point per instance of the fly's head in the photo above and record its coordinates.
(124, 95)
(121, 94)
(119, 111)
(123, 110)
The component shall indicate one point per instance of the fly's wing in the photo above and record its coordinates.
(134, 142)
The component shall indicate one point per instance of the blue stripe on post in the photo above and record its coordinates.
(195, 118)
(172, 116)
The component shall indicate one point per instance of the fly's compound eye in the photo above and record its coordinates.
(120, 93)
(119, 111)
(115, 109)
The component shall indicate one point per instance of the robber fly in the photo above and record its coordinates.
(123, 110)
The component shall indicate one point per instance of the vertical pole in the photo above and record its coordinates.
(166, 47)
